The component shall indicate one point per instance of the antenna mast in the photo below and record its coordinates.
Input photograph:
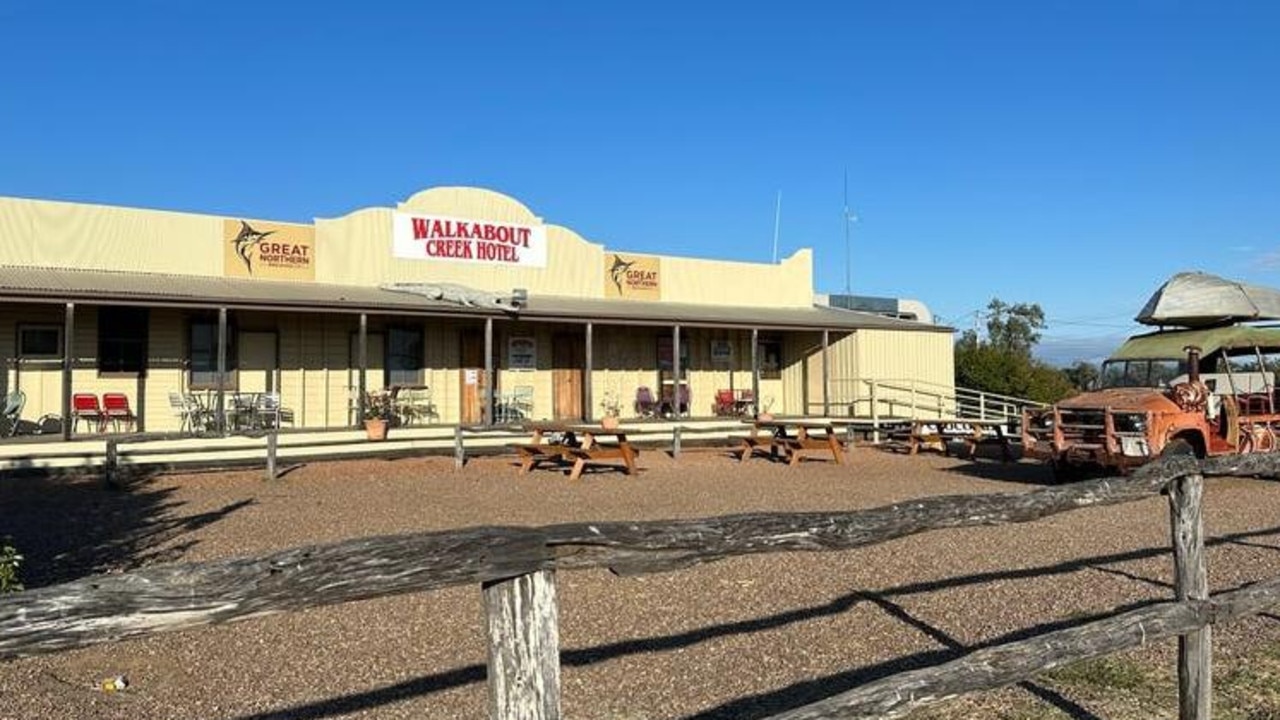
(848, 218)
(777, 220)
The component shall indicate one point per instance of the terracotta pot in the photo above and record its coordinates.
(376, 429)
(765, 417)
(609, 422)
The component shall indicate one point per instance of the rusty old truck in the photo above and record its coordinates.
(1207, 391)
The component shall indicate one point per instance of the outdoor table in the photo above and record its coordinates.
(579, 444)
(938, 432)
(792, 439)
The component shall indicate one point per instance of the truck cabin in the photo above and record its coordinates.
(1239, 361)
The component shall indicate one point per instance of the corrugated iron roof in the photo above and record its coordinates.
(64, 284)
(105, 286)
(666, 313)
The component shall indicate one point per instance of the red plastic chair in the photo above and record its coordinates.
(84, 406)
(724, 404)
(116, 410)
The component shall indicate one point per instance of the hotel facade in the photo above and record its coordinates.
(462, 293)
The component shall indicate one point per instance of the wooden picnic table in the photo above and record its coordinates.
(576, 443)
(939, 432)
(792, 439)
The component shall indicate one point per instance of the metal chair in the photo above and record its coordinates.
(11, 414)
(646, 405)
(116, 410)
(179, 408)
(84, 406)
(521, 402)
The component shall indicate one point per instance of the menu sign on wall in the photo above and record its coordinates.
(522, 353)
(267, 250)
(449, 239)
(631, 277)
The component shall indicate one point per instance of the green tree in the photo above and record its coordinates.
(1014, 328)
(1082, 374)
(1002, 363)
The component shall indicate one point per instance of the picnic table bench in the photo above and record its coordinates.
(939, 433)
(792, 439)
(561, 443)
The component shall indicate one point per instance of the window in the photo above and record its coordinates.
(665, 355)
(39, 341)
(770, 357)
(122, 339)
(404, 355)
(203, 354)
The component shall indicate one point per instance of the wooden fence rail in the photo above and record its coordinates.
(515, 566)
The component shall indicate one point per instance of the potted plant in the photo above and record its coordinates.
(612, 409)
(377, 414)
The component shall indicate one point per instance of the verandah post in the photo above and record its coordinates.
(521, 619)
(1191, 583)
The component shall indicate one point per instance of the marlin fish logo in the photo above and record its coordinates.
(245, 242)
(618, 270)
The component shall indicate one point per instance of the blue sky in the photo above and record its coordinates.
(1073, 154)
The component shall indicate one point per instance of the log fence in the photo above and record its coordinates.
(516, 567)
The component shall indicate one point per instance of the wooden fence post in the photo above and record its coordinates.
(524, 647)
(271, 455)
(109, 468)
(675, 442)
(875, 415)
(459, 452)
(1191, 583)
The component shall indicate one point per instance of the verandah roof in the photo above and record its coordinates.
(44, 284)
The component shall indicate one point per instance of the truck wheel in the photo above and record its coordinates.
(1178, 447)
(1066, 472)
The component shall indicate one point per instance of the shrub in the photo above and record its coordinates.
(9, 562)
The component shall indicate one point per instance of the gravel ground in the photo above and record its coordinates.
(741, 638)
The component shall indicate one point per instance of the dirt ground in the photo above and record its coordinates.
(742, 638)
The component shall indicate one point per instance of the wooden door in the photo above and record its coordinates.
(568, 358)
(471, 376)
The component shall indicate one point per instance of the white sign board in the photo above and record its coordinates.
(449, 239)
(522, 353)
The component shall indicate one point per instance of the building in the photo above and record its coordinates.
(463, 293)
(901, 308)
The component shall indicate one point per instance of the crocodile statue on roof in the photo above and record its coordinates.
(456, 294)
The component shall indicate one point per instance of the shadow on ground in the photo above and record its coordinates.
(71, 527)
(756, 707)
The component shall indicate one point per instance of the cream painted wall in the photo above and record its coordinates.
(720, 282)
(39, 379)
(100, 237)
(356, 249)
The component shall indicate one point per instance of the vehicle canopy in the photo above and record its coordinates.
(1172, 344)
(1197, 300)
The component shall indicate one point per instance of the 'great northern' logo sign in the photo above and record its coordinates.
(268, 250)
(632, 277)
